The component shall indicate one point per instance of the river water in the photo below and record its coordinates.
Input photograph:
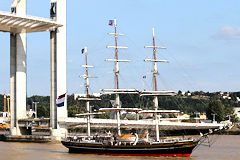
(224, 147)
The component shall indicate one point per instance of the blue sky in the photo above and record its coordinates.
(202, 39)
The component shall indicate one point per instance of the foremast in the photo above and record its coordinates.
(87, 99)
(155, 72)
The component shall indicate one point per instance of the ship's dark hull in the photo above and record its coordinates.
(178, 149)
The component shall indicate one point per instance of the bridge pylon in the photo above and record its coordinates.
(58, 68)
(18, 71)
(17, 23)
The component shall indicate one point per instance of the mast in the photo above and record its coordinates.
(117, 100)
(116, 73)
(116, 55)
(155, 63)
(155, 85)
(87, 98)
(86, 77)
(154, 60)
(87, 95)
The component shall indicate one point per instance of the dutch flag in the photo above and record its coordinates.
(60, 100)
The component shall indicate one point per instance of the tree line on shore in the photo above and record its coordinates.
(218, 104)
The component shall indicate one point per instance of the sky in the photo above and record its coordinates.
(202, 39)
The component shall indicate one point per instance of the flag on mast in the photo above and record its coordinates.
(60, 100)
(84, 50)
(111, 22)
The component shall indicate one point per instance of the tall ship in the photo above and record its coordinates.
(133, 144)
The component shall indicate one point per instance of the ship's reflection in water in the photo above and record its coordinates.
(224, 147)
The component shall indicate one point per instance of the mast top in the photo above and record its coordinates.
(116, 47)
(155, 59)
(153, 31)
(154, 46)
(115, 21)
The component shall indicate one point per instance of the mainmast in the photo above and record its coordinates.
(154, 60)
(116, 73)
(117, 100)
(116, 55)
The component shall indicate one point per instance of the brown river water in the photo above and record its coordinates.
(224, 147)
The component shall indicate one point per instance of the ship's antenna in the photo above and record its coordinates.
(154, 60)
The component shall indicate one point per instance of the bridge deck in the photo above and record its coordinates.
(27, 24)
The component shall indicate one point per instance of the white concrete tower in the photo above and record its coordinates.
(18, 71)
(58, 66)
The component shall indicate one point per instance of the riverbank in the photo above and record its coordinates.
(232, 131)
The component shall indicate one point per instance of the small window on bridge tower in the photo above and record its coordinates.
(13, 10)
(53, 9)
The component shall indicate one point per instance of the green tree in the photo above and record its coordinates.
(1, 102)
(215, 107)
(73, 110)
(43, 111)
(229, 111)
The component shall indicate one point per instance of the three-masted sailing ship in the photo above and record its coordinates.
(130, 145)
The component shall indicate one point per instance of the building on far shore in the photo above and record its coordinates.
(84, 95)
(237, 111)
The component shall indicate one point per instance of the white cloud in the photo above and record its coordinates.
(227, 33)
